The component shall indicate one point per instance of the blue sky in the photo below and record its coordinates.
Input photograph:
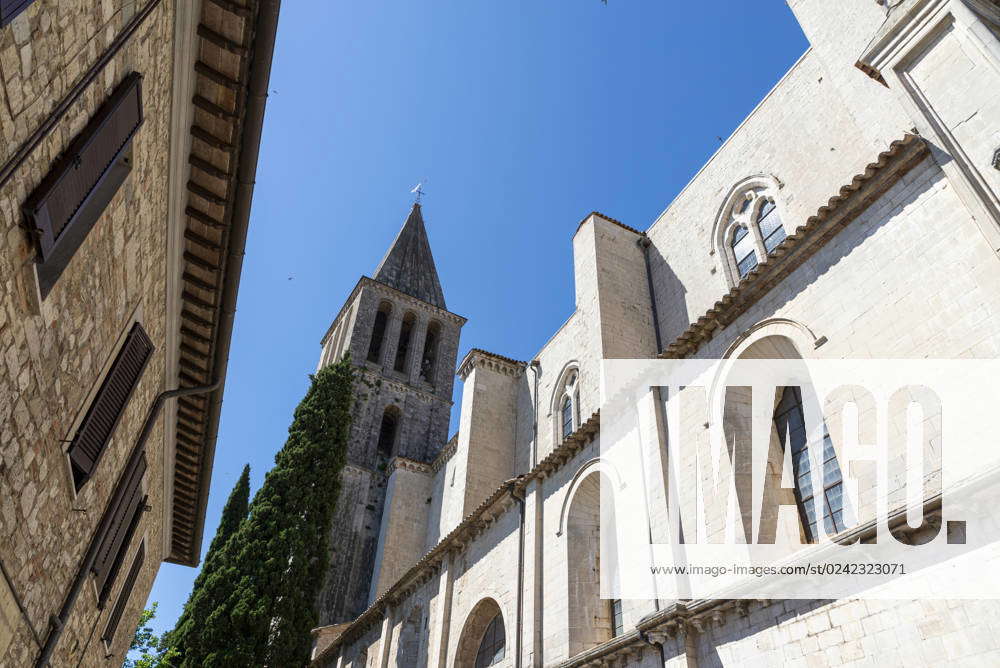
(522, 116)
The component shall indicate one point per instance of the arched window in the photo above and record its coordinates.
(483, 640)
(789, 422)
(749, 227)
(378, 332)
(428, 360)
(566, 404)
(493, 645)
(403, 349)
(387, 431)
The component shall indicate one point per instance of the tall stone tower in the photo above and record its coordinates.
(403, 343)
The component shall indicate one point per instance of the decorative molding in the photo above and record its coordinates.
(405, 464)
(477, 357)
(754, 189)
(446, 453)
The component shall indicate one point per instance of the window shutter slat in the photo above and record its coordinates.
(125, 508)
(70, 199)
(123, 596)
(101, 419)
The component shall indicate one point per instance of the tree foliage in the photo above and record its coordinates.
(233, 513)
(147, 649)
(257, 606)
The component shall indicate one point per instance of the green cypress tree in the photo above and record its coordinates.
(234, 512)
(259, 605)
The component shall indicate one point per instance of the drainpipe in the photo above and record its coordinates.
(645, 243)
(519, 624)
(58, 622)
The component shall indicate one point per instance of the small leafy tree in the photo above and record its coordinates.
(258, 605)
(147, 649)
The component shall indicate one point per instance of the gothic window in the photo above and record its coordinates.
(617, 625)
(493, 645)
(567, 410)
(403, 349)
(387, 431)
(790, 425)
(769, 224)
(428, 360)
(749, 227)
(378, 332)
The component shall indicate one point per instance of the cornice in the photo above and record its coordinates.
(405, 464)
(902, 21)
(611, 220)
(479, 357)
(446, 453)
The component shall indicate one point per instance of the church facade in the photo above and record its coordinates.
(855, 214)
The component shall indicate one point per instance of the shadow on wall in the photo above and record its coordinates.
(671, 297)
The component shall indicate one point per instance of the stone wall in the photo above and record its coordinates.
(54, 354)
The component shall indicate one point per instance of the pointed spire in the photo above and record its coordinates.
(408, 266)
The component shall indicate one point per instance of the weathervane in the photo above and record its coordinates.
(418, 190)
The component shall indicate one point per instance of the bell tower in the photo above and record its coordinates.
(403, 343)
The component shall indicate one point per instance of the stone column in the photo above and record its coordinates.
(385, 643)
(437, 654)
(531, 631)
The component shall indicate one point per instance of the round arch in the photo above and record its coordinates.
(480, 621)
(595, 465)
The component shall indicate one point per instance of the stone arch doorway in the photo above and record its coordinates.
(483, 642)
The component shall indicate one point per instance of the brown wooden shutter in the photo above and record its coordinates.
(109, 404)
(11, 8)
(123, 596)
(125, 510)
(70, 199)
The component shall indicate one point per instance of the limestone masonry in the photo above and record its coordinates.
(130, 132)
(854, 214)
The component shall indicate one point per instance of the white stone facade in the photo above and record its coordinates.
(877, 149)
